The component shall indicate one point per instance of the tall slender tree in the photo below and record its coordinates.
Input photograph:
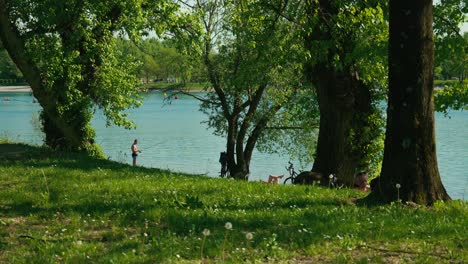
(409, 170)
(252, 64)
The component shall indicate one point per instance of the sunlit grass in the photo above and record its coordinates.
(57, 207)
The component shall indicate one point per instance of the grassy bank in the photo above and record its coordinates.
(57, 207)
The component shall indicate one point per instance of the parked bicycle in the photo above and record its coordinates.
(292, 173)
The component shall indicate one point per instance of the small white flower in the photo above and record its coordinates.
(249, 236)
(79, 242)
(330, 176)
(228, 225)
(206, 232)
(134, 250)
(178, 256)
(145, 234)
(398, 186)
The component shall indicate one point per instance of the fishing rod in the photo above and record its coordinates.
(150, 147)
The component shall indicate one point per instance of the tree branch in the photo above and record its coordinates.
(454, 28)
(287, 128)
(201, 99)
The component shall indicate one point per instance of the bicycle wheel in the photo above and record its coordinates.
(288, 180)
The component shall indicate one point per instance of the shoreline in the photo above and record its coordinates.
(27, 89)
(15, 89)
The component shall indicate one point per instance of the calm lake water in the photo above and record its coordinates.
(172, 137)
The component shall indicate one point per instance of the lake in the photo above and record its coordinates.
(172, 137)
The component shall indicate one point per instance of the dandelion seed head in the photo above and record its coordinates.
(330, 176)
(206, 232)
(398, 186)
(249, 236)
(228, 225)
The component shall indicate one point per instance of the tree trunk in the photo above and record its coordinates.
(410, 150)
(344, 104)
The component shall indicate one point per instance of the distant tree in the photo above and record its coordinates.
(253, 67)
(8, 69)
(66, 52)
(409, 170)
(162, 60)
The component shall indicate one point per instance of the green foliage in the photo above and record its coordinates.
(62, 207)
(368, 141)
(453, 97)
(8, 69)
(451, 45)
(294, 131)
(162, 61)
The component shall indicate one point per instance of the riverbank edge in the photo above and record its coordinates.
(27, 89)
(15, 89)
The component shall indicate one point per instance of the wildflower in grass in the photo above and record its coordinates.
(398, 186)
(330, 176)
(228, 226)
(79, 242)
(249, 236)
(206, 232)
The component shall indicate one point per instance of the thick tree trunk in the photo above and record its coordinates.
(344, 104)
(410, 150)
(60, 131)
(344, 101)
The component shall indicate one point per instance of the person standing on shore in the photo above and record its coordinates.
(135, 151)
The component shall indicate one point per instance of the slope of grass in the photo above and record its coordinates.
(58, 207)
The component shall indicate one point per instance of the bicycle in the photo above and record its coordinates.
(292, 173)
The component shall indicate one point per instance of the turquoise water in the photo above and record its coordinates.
(172, 137)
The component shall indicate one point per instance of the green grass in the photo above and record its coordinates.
(69, 208)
